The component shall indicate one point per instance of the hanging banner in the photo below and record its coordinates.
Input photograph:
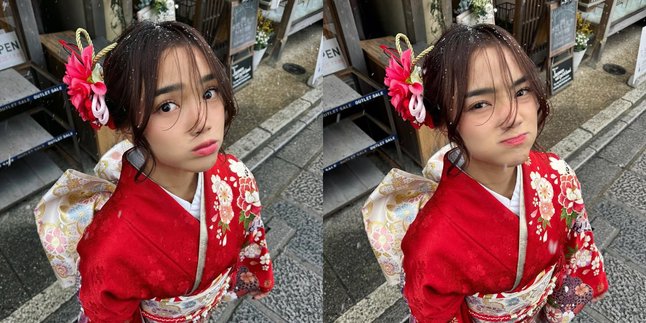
(330, 59)
(10, 50)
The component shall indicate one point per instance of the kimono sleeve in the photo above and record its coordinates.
(111, 283)
(429, 286)
(109, 292)
(584, 277)
(254, 267)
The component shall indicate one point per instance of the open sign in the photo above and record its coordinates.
(10, 50)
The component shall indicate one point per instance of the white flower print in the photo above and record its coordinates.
(559, 165)
(238, 167)
(535, 178)
(567, 316)
(586, 241)
(252, 251)
(252, 198)
(574, 194)
(225, 194)
(265, 259)
(583, 258)
(216, 180)
(595, 263)
(544, 190)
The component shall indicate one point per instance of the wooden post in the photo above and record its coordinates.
(24, 15)
(94, 18)
(602, 32)
(347, 35)
(282, 32)
(414, 19)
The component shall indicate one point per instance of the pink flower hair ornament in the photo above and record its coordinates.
(404, 82)
(84, 80)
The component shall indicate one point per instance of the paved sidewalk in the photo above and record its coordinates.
(291, 189)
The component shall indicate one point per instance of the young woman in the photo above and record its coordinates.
(182, 227)
(505, 235)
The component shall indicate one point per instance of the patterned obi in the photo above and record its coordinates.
(513, 307)
(194, 308)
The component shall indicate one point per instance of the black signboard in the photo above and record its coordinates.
(241, 72)
(563, 27)
(243, 24)
(561, 74)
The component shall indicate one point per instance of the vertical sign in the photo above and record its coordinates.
(563, 27)
(330, 59)
(640, 65)
(562, 74)
(562, 21)
(241, 72)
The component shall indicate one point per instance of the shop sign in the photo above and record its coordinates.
(330, 59)
(640, 64)
(562, 74)
(241, 72)
(10, 50)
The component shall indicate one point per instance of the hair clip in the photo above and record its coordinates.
(84, 80)
(404, 82)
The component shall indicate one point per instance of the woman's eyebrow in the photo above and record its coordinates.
(178, 86)
(490, 90)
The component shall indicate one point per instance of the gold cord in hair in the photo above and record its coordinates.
(81, 31)
(399, 49)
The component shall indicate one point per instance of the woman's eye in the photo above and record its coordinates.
(168, 107)
(210, 94)
(478, 106)
(522, 92)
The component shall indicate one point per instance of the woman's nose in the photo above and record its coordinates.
(197, 118)
(508, 114)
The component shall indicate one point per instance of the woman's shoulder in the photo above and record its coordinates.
(427, 227)
(109, 231)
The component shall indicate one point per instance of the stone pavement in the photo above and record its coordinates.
(291, 190)
(284, 153)
(611, 165)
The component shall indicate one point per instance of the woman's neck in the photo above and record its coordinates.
(500, 179)
(182, 184)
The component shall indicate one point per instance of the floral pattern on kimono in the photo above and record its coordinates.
(464, 243)
(138, 255)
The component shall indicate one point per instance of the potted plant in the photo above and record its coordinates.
(263, 33)
(471, 12)
(583, 32)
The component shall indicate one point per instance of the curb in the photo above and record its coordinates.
(271, 135)
(589, 138)
(372, 306)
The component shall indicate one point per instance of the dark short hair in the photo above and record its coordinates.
(131, 72)
(445, 68)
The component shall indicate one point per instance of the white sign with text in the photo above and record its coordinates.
(10, 50)
(640, 65)
(330, 59)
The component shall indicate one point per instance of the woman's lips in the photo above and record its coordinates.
(514, 141)
(206, 148)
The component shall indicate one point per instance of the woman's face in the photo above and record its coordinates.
(498, 130)
(179, 145)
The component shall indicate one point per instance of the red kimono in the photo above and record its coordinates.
(138, 257)
(461, 252)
